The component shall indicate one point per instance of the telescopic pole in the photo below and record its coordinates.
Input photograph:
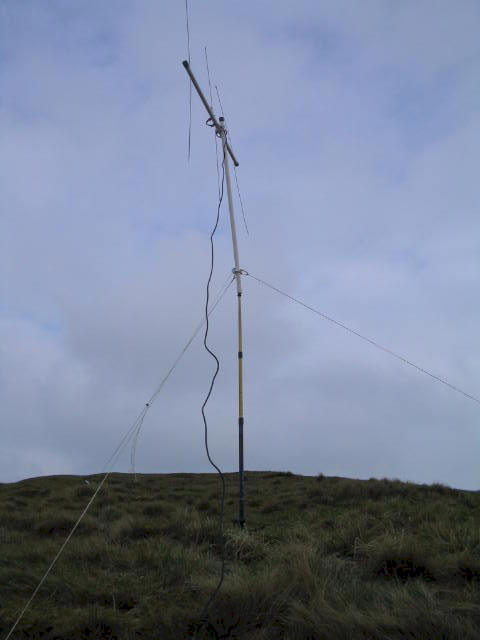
(238, 272)
(227, 151)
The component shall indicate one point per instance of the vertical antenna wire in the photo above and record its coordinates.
(240, 198)
(211, 106)
(234, 167)
(190, 99)
(219, 101)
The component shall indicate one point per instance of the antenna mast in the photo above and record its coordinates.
(227, 151)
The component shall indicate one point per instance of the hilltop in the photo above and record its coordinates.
(322, 558)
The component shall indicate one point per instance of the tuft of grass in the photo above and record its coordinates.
(155, 509)
(246, 547)
(321, 558)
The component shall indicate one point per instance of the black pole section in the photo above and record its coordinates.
(241, 500)
(241, 512)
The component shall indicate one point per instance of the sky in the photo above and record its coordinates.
(357, 129)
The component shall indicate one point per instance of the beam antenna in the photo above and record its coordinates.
(221, 131)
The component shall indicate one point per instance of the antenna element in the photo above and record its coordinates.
(209, 110)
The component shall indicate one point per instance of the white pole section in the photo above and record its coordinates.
(230, 206)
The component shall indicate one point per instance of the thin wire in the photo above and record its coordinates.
(211, 106)
(114, 459)
(187, 21)
(240, 197)
(132, 432)
(224, 289)
(219, 101)
(226, 285)
(234, 167)
(217, 368)
(369, 340)
(126, 437)
(133, 452)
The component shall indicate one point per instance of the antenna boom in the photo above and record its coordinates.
(209, 109)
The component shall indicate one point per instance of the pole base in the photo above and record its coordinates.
(241, 523)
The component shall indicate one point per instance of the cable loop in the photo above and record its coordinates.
(210, 123)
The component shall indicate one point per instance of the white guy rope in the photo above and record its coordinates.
(113, 459)
(223, 291)
(132, 432)
(369, 340)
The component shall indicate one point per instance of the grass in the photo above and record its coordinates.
(322, 558)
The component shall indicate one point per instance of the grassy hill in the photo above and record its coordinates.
(323, 558)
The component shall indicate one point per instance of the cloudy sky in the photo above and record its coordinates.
(357, 128)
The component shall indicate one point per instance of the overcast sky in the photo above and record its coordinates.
(357, 129)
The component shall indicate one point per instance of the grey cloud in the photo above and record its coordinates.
(357, 133)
